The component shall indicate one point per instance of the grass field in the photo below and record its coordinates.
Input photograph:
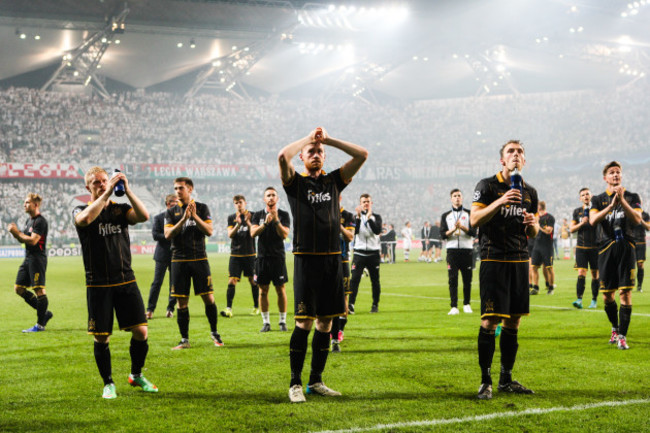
(409, 368)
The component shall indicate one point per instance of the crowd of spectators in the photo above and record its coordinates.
(568, 137)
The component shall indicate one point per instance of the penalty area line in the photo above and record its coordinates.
(490, 416)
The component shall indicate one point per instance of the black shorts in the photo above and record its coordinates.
(31, 273)
(531, 247)
(586, 258)
(504, 289)
(196, 273)
(318, 286)
(436, 243)
(542, 256)
(124, 299)
(640, 252)
(346, 277)
(271, 270)
(237, 265)
(617, 266)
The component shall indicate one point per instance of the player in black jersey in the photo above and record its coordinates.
(615, 213)
(187, 224)
(242, 254)
(318, 279)
(543, 251)
(505, 217)
(586, 249)
(271, 227)
(640, 243)
(103, 229)
(347, 234)
(31, 274)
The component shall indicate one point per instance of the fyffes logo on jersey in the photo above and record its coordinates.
(618, 214)
(318, 197)
(512, 211)
(109, 229)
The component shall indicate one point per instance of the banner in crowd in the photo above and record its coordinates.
(40, 171)
(201, 171)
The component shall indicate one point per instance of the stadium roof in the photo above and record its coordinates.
(414, 49)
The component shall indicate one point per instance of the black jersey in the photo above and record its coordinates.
(106, 247)
(586, 233)
(269, 242)
(316, 214)
(503, 238)
(37, 225)
(348, 222)
(639, 231)
(615, 218)
(189, 244)
(241, 244)
(545, 241)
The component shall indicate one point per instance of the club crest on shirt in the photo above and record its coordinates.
(116, 211)
(477, 195)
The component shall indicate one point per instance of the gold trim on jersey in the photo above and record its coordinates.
(112, 285)
(188, 260)
(174, 295)
(22, 287)
(586, 248)
(99, 333)
(238, 279)
(133, 326)
(507, 316)
(38, 287)
(242, 255)
(479, 204)
(605, 249)
(618, 288)
(204, 293)
(577, 269)
(504, 261)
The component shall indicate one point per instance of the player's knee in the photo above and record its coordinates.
(19, 290)
(305, 324)
(232, 281)
(490, 323)
(140, 333)
(324, 324)
(582, 272)
(102, 339)
(39, 292)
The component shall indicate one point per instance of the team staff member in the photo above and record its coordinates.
(505, 217)
(242, 254)
(543, 251)
(456, 229)
(407, 234)
(271, 227)
(427, 243)
(640, 230)
(187, 224)
(31, 274)
(366, 251)
(586, 249)
(347, 234)
(318, 279)
(163, 258)
(615, 213)
(103, 229)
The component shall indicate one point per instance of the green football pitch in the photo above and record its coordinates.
(409, 368)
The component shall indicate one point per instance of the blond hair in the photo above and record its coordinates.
(93, 171)
(34, 198)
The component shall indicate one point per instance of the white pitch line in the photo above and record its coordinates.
(551, 307)
(490, 416)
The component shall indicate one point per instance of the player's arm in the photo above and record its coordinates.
(596, 216)
(480, 215)
(646, 223)
(531, 223)
(347, 233)
(233, 229)
(256, 230)
(634, 214)
(359, 156)
(92, 211)
(204, 225)
(286, 155)
(574, 226)
(374, 222)
(280, 229)
(172, 230)
(140, 213)
(22, 237)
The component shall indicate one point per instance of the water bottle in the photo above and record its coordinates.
(119, 187)
(516, 181)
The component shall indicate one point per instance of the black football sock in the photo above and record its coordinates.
(211, 314)
(255, 291)
(624, 314)
(138, 351)
(611, 309)
(30, 298)
(103, 360)
(342, 322)
(639, 277)
(580, 286)
(336, 326)
(41, 309)
(183, 320)
(508, 345)
(594, 289)
(320, 348)
(230, 295)
(297, 352)
(536, 287)
(486, 345)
